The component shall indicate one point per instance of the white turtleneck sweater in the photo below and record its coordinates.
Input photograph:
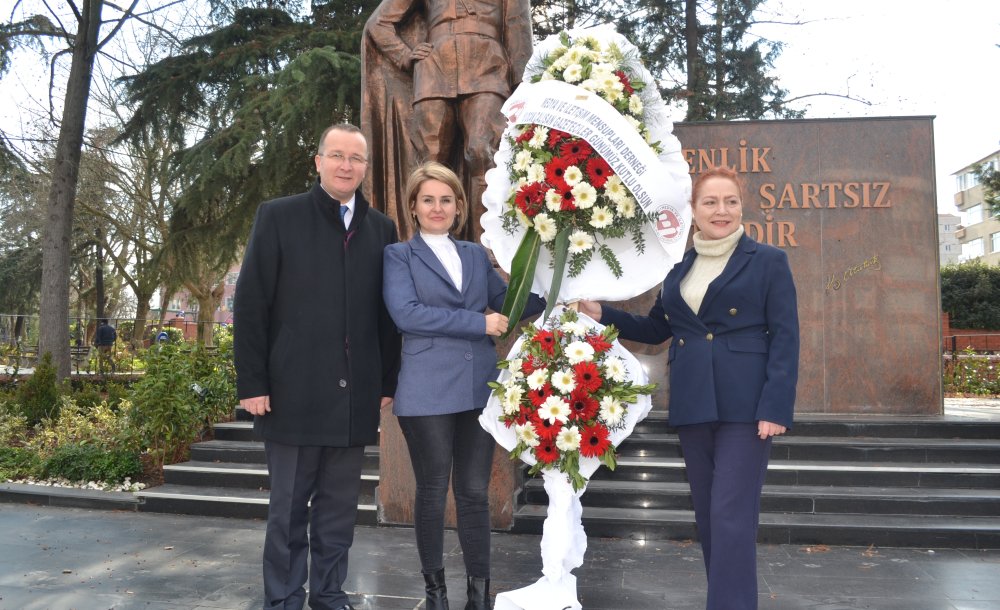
(713, 254)
(447, 253)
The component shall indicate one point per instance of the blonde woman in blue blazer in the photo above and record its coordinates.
(730, 307)
(437, 289)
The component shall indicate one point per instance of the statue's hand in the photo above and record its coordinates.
(421, 51)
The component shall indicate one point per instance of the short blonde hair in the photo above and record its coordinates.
(432, 170)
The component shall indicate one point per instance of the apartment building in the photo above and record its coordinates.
(979, 235)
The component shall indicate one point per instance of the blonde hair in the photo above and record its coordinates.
(432, 170)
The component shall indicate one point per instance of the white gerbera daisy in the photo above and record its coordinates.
(580, 241)
(536, 172)
(601, 217)
(579, 351)
(554, 409)
(553, 200)
(522, 160)
(611, 411)
(514, 367)
(568, 439)
(584, 195)
(614, 189)
(590, 85)
(626, 207)
(573, 73)
(563, 381)
(635, 104)
(575, 327)
(545, 226)
(573, 175)
(523, 218)
(615, 368)
(511, 402)
(537, 379)
(526, 434)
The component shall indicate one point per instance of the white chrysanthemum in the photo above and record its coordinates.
(575, 327)
(522, 160)
(580, 241)
(614, 189)
(612, 95)
(611, 411)
(626, 207)
(615, 369)
(576, 53)
(536, 380)
(539, 138)
(526, 434)
(601, 217)
(635, 104)
(573, 175)
(514, 368)
(553, 200)
(573, 73)
(523, 218)
(579, 351)
(584, 195)
(545, 227)
(511, 402)
(536, 172)
(590, 85)
(554, 409)
(563, 381)
(601, 70)
(568, 439)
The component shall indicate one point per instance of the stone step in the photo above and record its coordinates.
(790, 499)
(227, 502)
(928, 450)
(227, 474)
(252, 452)
(783, 528)
(814, 472)
(863, 426)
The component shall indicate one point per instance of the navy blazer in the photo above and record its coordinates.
(737, 358)
(447, 356)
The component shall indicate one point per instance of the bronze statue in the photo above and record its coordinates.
(435, 74)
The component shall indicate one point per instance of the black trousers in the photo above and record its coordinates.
(451, 446)
(312, 512)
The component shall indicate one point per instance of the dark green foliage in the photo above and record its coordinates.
(39, 394)
(18, 463)
(185, 390)
(91, 463)
(89, 393)
(970, 294)
(971, 373)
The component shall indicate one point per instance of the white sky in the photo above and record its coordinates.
(908, 59)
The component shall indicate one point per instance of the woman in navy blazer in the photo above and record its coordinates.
(730, 307)
(437, 290)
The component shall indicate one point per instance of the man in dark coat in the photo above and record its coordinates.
(316, 354)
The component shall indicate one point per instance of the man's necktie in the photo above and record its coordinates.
(343, 213)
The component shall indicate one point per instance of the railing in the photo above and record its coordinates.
(987, 343)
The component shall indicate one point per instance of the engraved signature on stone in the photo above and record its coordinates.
(837, 280)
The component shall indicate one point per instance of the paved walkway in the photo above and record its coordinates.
(82, 559)
(69, 558)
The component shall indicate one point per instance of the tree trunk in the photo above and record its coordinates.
(99, 277)
(695, 65)
(141, 314)
(53, 335)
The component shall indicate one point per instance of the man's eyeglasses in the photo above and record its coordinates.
(339, 158)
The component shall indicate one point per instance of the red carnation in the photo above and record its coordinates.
(582, 406)
(626, 83)
(588, 378)
(556, 136)
(575, 150)
(547, 340)
(594, 441)
(598, 171)
(546, 452)
(537, 397)
(598, 343)
(555, 170)
(527, 135)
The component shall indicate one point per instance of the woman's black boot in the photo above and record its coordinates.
(437, 592)
(478, 594)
